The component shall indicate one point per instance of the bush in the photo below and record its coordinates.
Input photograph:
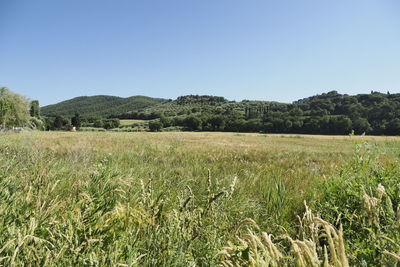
(111, 123)
(155, 126)
(193, 123)
(36, 123)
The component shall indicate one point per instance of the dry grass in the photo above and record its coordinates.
(158, 199)
(129, 122)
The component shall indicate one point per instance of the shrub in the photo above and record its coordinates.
(155, 126)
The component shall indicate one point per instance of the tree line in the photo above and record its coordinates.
(329, 113)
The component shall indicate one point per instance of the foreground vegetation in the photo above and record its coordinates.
(179, 199)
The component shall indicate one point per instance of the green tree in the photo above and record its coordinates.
(14, 109)
(166, 122)
(35, 109)
(111, 123)
(193, 123)
(98, 123)
(361, 125)
(393, 127)
(155, 125)
(58, 122)
(340, 124)
(76, 120)
(217, 122)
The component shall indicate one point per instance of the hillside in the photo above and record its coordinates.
(329, 113)
(100, 105)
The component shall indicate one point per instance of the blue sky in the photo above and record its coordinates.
(52, 50)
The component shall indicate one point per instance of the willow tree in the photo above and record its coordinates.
(14, 109)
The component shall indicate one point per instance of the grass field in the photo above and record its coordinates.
(175, 199)
(129, 122)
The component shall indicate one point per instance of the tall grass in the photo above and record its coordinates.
(177, 199)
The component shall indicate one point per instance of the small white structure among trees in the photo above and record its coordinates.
(14, 109)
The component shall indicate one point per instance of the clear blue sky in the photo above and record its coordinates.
(281, 50)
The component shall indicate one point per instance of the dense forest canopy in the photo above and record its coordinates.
(328, 113)
(99, 106)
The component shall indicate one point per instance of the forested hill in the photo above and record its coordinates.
(328, 113)
(100, 105)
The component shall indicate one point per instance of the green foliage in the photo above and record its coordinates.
(200, 99)
(99, 106)
(98, 123)
(37, 124)
(155, 125)
(329, 113)
(13, 109)
(35, 109)
(111, 123)
(365, 199)
(178, 199)
(59, 123)
(76, 120)
(192, 123)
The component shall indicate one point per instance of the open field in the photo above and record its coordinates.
(164, 199)
(129, 122)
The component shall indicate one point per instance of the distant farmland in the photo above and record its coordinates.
(129, 122)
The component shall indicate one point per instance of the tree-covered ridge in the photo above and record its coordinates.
(99, 106)
(328, 113)
(200, 99)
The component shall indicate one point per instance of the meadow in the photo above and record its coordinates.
(130, 122)
(198, 199)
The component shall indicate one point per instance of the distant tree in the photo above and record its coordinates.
(324, 125)
(166, 122)
(235, 125)
(107, 124)
(254, 125)
(379, 127)
(48, 124)
(268, 127)
(116, 123)
(361, 125)
(217, 122)
(279, 125)
(318, 112)
(340, 124)
(58, 122)
(155, 125)
(297, 124)
(14, 109)
(111, 123)
(312, 125)
(193, 123)
(35, 109)
(288, 126)
(297, 112)
(393, 127)
(98, 123)
(76, 121)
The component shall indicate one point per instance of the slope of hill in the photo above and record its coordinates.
(328, 113)
(100, 105)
